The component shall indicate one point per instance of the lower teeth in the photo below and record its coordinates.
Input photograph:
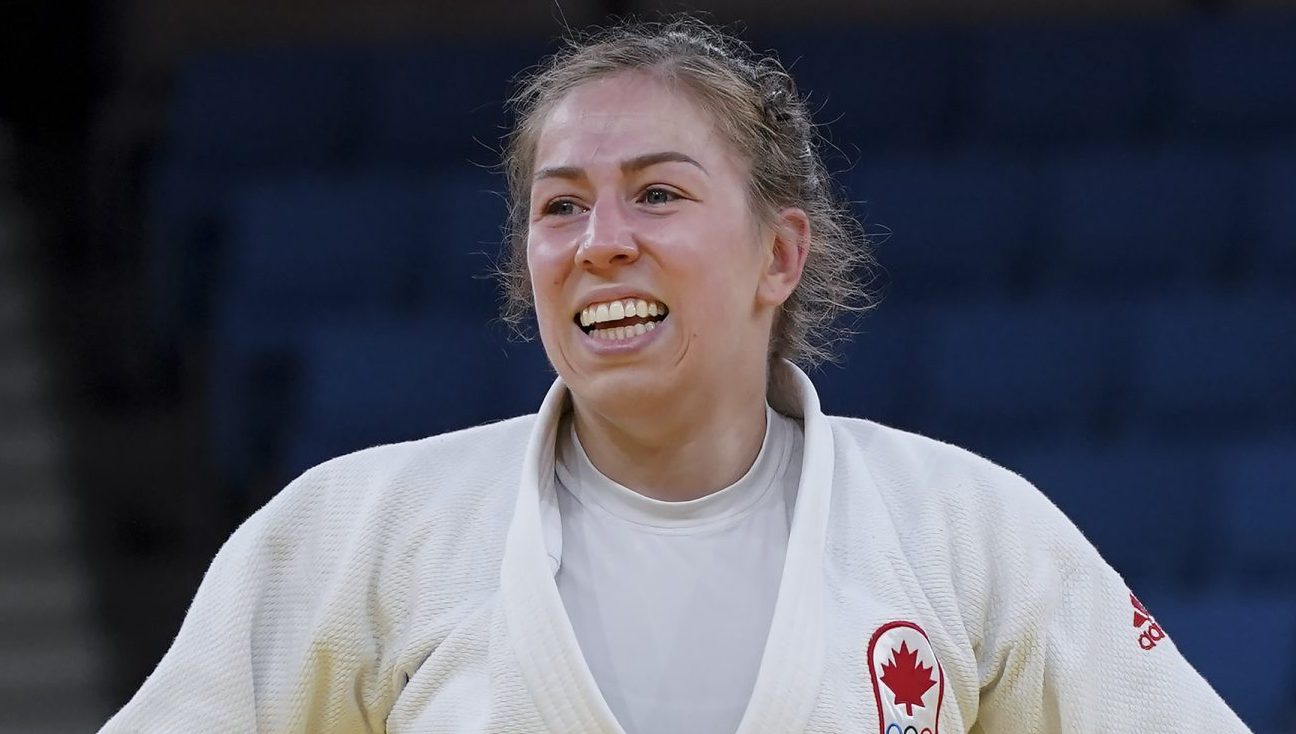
(621, 333)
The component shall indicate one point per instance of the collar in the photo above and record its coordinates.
(541, 634)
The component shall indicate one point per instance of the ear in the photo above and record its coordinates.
(785, 258)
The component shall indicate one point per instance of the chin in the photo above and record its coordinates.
(622, 389)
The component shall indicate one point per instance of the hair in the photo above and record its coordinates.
(755, 103)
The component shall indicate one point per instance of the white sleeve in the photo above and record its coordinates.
(256, 651)
(1092, 660)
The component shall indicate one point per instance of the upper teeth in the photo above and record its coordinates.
(597, 313)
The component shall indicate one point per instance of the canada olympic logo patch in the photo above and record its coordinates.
(908, 681)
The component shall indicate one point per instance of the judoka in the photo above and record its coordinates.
(679, 541)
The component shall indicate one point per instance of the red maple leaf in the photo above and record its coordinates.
(907, 678)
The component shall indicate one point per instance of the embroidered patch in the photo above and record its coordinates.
(908, 681)
(1150, 633)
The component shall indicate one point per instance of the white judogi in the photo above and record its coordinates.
(671, 602)
(408, 588)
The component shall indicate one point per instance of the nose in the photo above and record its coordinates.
(608, 240)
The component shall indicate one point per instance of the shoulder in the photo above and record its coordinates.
(462, 456)
(916, 468)
(458, 478)
(987, 514)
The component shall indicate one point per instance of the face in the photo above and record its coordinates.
(638, 200)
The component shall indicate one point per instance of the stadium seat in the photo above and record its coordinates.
(1118, 221)
(308, 251)
(1143, 506)
(1022, 370)
(279, 106)
(319, 242)
(1209, 365)
(1231, 79)
(1049, 84)
(1244, 645)
(235, 115)
(368, 384)
(1274, 261)
(946, 227)
(874, 89)
(463, 232)
(1257, 509)
(437, 105)
(186, 237)
(877, 377)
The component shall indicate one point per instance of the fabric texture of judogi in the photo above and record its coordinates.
(408, 588)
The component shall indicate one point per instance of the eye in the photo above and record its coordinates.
(658, 195)
(561, 208)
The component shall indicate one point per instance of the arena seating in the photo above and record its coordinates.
(1274, 260)
(1144, 506)
(438, 375)
(1006, 371)
(1232, 80)
(1205, 365)
(404, 125)
(909, 75)
(305, 251)
(1244, 645)
(1083, 84)
(1256, 505)
(1087, 234)
(877, 375)
(916, 206)
(1119, 219)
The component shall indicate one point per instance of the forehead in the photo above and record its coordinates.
(609, 120)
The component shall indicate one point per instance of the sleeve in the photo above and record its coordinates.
(256, 651)
(1090, 658)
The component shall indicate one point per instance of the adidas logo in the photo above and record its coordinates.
(1151, 632)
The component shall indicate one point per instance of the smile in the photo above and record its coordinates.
(621, 319)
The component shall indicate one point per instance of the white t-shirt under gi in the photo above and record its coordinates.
(671, 602)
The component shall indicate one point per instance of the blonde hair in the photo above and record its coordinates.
(756, 105)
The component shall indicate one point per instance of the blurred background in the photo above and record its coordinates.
(238, 238)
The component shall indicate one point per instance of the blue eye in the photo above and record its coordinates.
(659, 195)
(561, 208)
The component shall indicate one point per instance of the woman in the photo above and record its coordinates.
(679, 541)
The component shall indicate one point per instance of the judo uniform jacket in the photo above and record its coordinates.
(410, 588)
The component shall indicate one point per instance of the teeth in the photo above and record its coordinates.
(614, 310)
(620, 333)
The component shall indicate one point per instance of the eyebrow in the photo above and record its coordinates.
(630, 165)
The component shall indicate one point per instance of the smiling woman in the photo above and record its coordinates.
(679, 540)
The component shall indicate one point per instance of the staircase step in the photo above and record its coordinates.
(29, 445)
(25, 594)
(32, 524)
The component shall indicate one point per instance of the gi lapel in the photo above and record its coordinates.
(791, 669)
(541, 634)
(540, 631)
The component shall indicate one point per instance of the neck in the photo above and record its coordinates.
(695, 446)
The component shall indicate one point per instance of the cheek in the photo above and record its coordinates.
(546, 265)
(544, 262)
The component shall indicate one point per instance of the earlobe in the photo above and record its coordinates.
(788, 250)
